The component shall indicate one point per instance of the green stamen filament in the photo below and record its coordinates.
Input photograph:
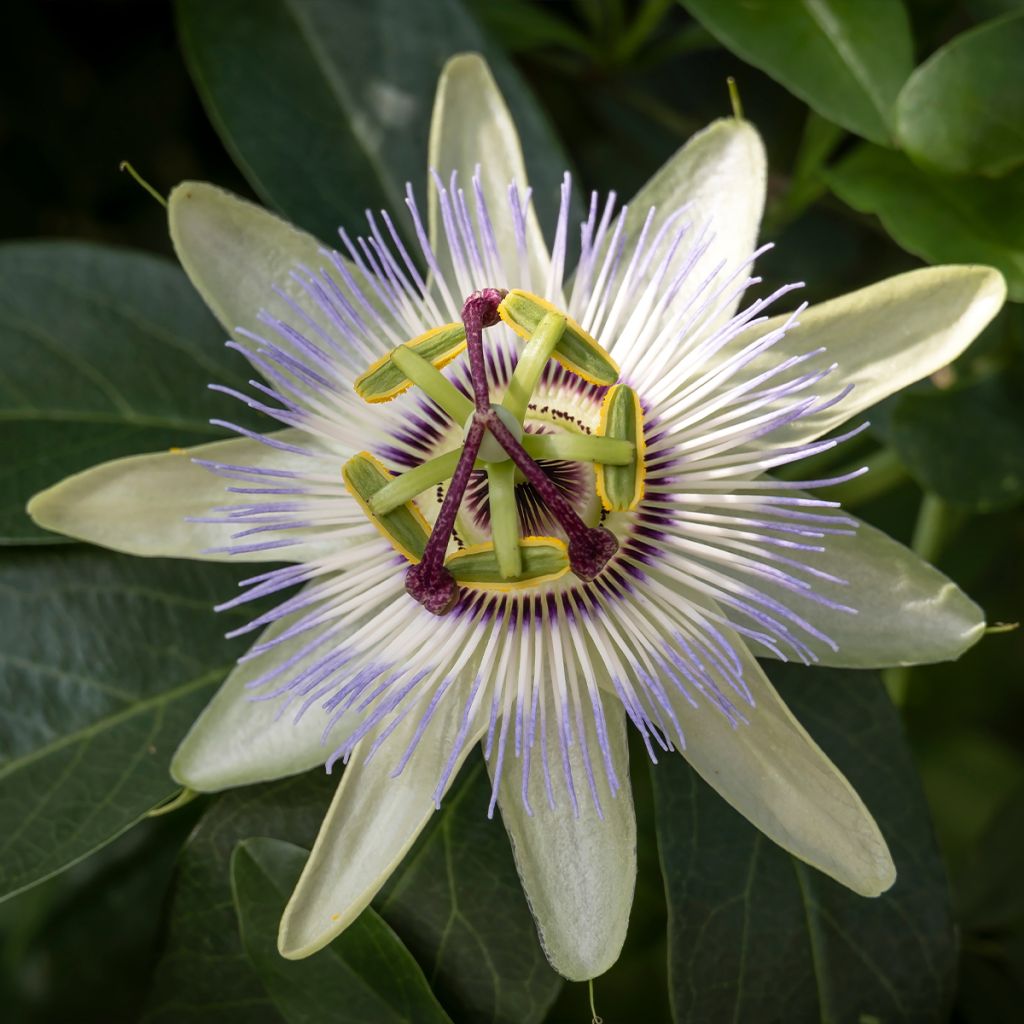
(433, 383)
(414, 482)
(579, 448)
(531, 364)
(564, 447)
(501, 493)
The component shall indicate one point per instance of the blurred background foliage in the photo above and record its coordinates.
(901, 145)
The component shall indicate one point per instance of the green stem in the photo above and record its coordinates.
(897, 681)
(1002, 627)
(642, 27)
(433, 382)
(186, 796)
(807, 183)
(936, 521)
(579, 448)
(885, 471)
(734, 98)
(501, 494)
(140, 180)
(531, 364)
(414, 482)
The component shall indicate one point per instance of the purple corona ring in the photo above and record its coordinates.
(527, 497)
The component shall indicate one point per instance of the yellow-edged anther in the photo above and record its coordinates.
(384, 380)
(404, 526)
(476, 567)
(621, 487)
(576, 350)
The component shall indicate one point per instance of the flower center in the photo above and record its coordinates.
(493, 440)
(490, 450)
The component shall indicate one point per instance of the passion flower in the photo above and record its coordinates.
(525, 507)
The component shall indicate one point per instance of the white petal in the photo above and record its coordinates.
(139, 504)
(238, 256)
(778, 778)
(234, 252)
(908, 613)
(719, 175)
(238, 741)
(885, 337)
(472, 125)
(371, 823)
(578, 873)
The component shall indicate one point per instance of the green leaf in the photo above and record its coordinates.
(455, 902)
(105, 352)
(966, 444)
(847, 59)
(982, 10)
(524, 27)
(365, 974)
(968, 772)
(326, 106)
(962, 110)
(758, 936)
(942, 219)
(58, 948)
(205, 975)
(106, 662)
(992, 916)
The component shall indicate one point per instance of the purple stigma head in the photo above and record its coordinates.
(484, 305)
(436, 590)
(590, 551)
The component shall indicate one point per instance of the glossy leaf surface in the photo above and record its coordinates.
(962, 110)
(758, 936)
(846, 58)
(966, 445)
(105, 352)
(90, 715)
(942, 219)
(323, 126)
(455, 903)
(365, 974)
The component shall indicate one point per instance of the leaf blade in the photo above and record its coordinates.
(965, 445)
(940, 218)
(66, 693)
(105, 353)
(205, 976)
(846, 59)
(440, 902)
(365, 974)
(757, 935)
(274, 73)
(961, 110)
(464, 944)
